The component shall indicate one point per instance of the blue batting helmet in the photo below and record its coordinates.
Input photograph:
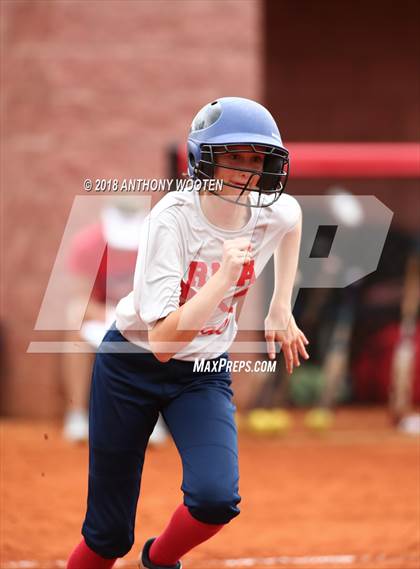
(233, 121)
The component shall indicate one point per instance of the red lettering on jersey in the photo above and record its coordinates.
(219, 330)
(197, 274)
(224, 307)
(215, 266)
(247, 275)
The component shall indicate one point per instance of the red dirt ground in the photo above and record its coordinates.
(353, 491)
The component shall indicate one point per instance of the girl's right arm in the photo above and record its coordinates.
(172, 333)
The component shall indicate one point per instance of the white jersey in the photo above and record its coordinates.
(179, 251)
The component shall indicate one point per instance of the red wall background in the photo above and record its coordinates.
(96, 90)
(348, 72)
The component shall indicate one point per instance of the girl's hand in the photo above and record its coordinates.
(280, 326)
(236, 253)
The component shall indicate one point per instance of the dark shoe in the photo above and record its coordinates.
(147, 564)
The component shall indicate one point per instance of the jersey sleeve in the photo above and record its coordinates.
(289, 213)
(157, 279)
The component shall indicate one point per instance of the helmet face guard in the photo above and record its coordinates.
(271, 180)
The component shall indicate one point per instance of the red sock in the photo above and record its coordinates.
(182, 534)
(84, 558)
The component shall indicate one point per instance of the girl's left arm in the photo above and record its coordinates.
(280, 326)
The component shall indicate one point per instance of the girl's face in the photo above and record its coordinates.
(238, 157)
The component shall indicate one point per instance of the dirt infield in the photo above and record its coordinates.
(350, 498)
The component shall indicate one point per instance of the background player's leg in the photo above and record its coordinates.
(76, 372)
(207, 442)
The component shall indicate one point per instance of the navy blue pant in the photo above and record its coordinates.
(128, 391)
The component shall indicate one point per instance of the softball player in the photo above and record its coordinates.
(203, 251)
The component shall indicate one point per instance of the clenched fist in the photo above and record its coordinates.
(236, 254)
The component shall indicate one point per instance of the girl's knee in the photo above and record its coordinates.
(213, 505)
(109, 544)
